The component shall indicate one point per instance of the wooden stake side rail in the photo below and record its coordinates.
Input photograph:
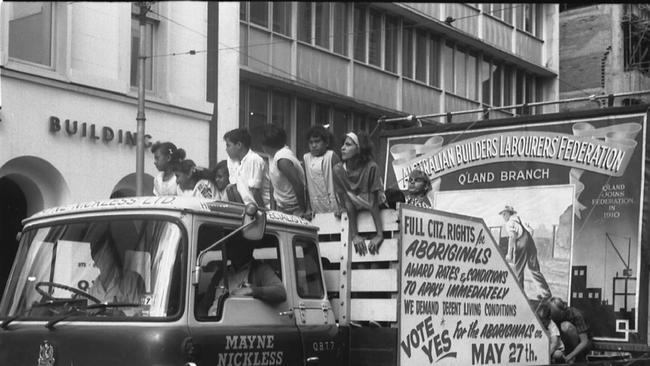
(372, 283)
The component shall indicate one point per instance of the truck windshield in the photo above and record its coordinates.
(109, 269)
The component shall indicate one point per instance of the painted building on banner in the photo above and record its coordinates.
(69, 101)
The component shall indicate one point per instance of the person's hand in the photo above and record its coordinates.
(508, 257)
(338, 214)
(568, 359)
(307, 215)
(244, 291)
(375, 243)
(359, 245)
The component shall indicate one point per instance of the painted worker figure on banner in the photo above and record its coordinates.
(520, 241)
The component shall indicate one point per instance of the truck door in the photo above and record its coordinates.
(314, 315)
(248, 331)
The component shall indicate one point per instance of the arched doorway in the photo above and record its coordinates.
(28, 184)
(13, 209)
(126, 186)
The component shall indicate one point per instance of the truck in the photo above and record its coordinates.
(173, 247)
(438, 292)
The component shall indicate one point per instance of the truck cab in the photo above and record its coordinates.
(145, 281)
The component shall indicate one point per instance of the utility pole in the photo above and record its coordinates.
(140, 118)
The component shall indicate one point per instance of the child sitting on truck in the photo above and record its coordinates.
(193, 181)
(224, 191)
(359, 187)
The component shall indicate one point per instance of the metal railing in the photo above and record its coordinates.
(525, 108)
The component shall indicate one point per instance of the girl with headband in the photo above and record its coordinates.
(359, 187)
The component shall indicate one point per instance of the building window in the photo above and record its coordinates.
(281, 17)
(507, 85)
(448, 67)
(303, 124)
(434, 63)
(30, 31)
(329, 25)
(421, 56)
(472, 90)
(500, 11)
(460, 70)
(539, 20)
(258, 115)
(519, 15)
(243, 11)
(390, 49)
(407, 51)
(497, 70)
(485, 81)
(340, 124)
(259, 11)
(322, 26)
(360, 34)
(528, 17)
(304, 22)
(340, 30)
(150, 25)
(374, 39)
(281, 113)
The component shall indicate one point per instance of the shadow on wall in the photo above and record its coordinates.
(126, 186)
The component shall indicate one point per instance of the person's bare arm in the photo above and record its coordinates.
(376, 242)
(291, 172)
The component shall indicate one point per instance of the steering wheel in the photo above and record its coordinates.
(64, 287)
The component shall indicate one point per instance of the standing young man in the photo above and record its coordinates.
(287, 176)
(247, 169)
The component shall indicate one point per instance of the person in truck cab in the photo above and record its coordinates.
(113, 284)
(246, 277)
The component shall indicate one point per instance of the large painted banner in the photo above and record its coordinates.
(460, 302)
(575, 185)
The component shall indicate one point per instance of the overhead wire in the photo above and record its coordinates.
(314, 38)
(295, 77)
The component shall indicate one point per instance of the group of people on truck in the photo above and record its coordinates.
(323, 182)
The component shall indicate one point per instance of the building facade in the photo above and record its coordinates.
(603, 50)
(347, 64)
(69, 101)
(68, 87)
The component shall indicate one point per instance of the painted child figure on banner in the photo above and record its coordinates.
(521, 243)
(164, 158)
(319, 164)
(359, 186)
(419, 187)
